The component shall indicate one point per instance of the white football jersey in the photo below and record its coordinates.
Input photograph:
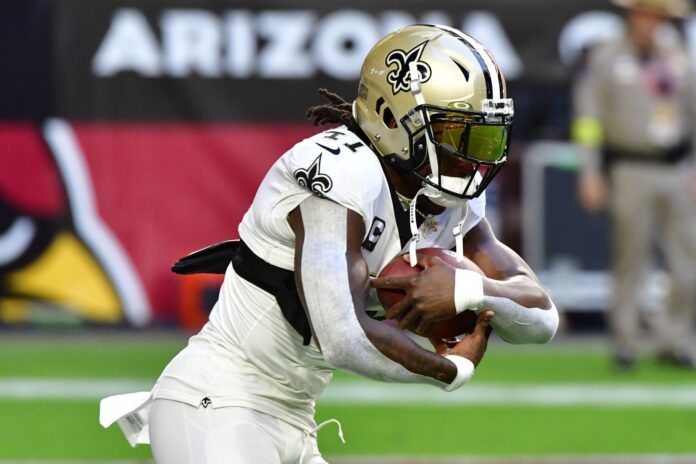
(248, 355)
(337, 165)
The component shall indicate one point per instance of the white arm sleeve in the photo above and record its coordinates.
(324, 274)
(517, 324)
(512, 322)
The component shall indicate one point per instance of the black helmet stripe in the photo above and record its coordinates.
(486, 73)
(501, 82)
(490, 75)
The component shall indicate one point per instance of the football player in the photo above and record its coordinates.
(406, 168)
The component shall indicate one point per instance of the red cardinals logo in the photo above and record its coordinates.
(58, 259)
(93, 214)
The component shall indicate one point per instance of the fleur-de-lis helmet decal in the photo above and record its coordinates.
(312, 179)
(400, 78)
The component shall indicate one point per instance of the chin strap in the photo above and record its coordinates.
(415, 232)
(458, 233)
(459, 241)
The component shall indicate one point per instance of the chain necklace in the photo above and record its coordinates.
(428, 220)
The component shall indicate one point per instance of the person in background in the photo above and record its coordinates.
(635, 119)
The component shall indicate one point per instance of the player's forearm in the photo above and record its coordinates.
(518, 324)
(524, 313)
(350, 340)
(389, 340)
(392, 343)
(333, 284)
(521, 289)
(391, 356)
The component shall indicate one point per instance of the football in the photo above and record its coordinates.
(445, 329)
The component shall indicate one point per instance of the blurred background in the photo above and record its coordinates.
(133, 132)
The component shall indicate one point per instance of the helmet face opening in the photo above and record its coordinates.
(473, 140)
(469, 146)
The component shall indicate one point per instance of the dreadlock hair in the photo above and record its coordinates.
(337, 111)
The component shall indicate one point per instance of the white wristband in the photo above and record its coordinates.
(465, 371)
(468, 290)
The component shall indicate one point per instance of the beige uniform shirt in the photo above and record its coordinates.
(645, 107)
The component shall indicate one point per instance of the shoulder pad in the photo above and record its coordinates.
(337, 165)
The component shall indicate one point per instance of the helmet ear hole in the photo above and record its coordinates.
(378, 105)
(389, 119)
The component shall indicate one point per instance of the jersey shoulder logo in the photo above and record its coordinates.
(400, 78)
(313, 179)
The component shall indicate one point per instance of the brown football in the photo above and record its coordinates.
(460, 324)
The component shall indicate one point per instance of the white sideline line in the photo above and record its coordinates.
(366, 392)
(601, 394)
(32, 461)
(74, 389)
(555, 459)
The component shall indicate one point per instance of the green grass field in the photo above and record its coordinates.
(67, 429)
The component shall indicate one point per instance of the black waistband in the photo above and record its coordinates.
(667, 156)
(278, 282)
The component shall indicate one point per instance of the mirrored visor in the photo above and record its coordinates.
(480, 142)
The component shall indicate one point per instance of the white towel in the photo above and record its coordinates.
(132, 413)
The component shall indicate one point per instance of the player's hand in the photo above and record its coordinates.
(593, 192)
(474, 345)
(429, 294)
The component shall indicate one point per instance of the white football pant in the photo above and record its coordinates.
(183, 434)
